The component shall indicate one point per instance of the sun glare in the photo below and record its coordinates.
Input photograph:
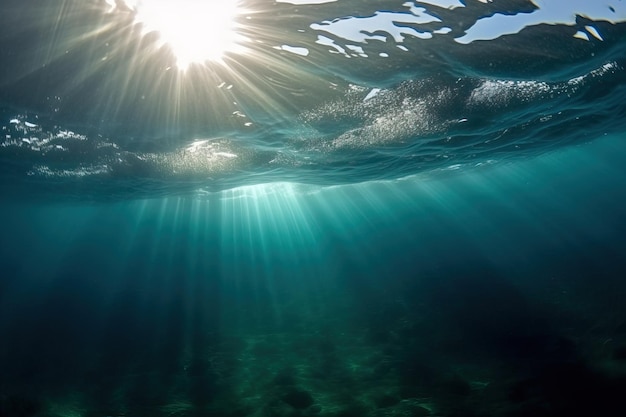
(195, 30)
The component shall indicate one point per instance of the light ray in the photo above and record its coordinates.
(196, 31)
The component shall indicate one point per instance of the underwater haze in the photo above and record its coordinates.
(312, 208)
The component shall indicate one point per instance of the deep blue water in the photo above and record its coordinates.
(373, 209)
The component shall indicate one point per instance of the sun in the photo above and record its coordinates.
(196, 30)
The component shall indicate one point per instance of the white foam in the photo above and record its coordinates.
(373, 93)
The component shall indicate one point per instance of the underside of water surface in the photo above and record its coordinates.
(95, 103)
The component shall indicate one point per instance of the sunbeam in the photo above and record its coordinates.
(195, 31)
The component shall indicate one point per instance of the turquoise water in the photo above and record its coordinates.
(363, 209)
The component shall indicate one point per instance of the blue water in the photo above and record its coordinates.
(365, 209)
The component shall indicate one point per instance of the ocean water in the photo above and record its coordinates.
(312, 208)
